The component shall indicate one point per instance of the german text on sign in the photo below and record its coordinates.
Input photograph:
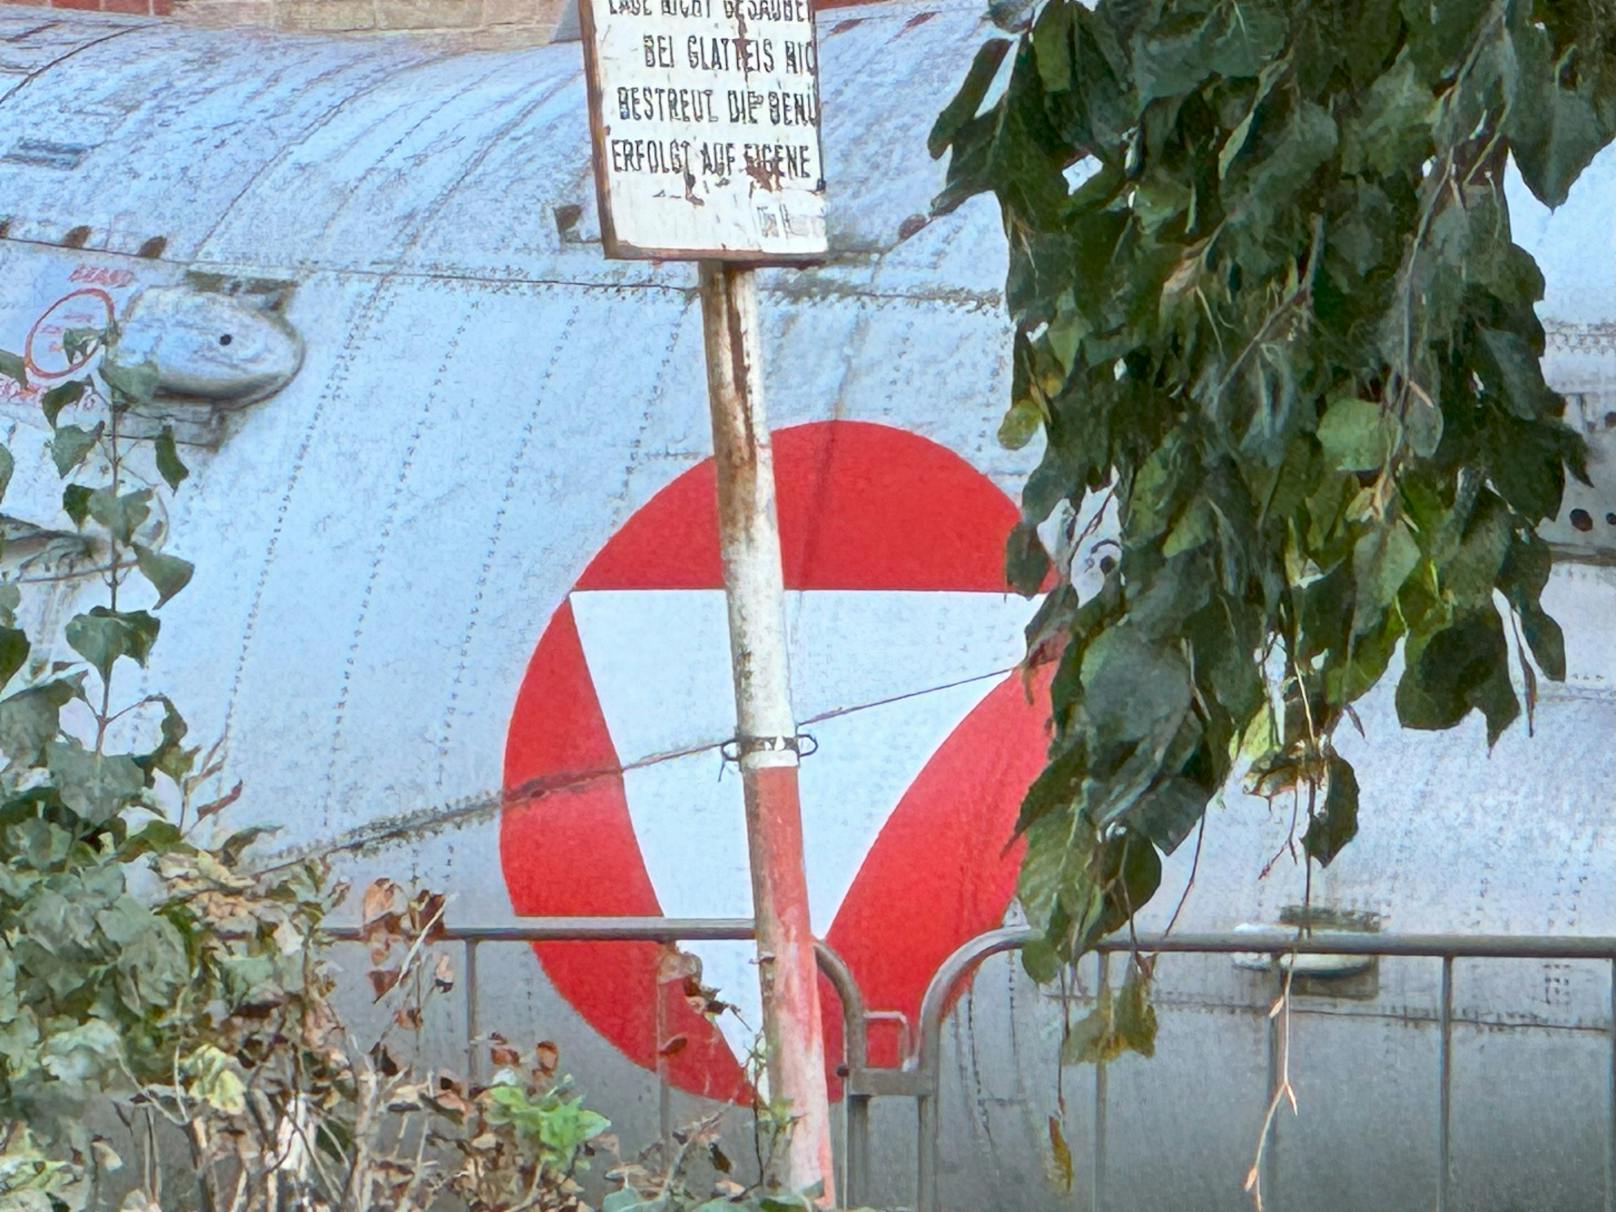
(705, 117)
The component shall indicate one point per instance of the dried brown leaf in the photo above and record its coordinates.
(212, 807)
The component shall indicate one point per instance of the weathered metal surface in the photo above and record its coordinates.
(208, 346)
(766, 730)
(486, 405)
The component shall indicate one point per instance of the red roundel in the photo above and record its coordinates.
(901, 635)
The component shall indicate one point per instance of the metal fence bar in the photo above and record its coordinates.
(1610, 1104)
(1433, 946)
(585, 929)
(1444, 1176)
(926, 1153)
(1275, 1042)
(855, 1099)
(928, 1035)
(1097, 1161)
(474, 1050)
(659, 995)
(1276, 942)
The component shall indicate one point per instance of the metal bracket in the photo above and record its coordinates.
(803, 745)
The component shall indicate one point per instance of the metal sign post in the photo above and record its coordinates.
(704, 116)
(749, 546)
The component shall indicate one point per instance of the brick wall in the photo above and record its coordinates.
(142, 8)
(479, 22)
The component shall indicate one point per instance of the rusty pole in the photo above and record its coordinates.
(749, 545)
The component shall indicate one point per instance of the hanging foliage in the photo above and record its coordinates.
(1266, 297)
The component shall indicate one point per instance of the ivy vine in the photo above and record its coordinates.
(1266, 301)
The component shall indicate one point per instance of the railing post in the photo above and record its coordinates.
(1097, 1151)
(1444, 1176)
(473, 1030)
(659, 994)
(1276, 1064)
(856, 1150)
(926, 1160)
(1610, 1104)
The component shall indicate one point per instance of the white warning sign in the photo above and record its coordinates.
(705, 121)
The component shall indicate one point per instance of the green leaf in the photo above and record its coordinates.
(7, 466)
(1131, 872)
(1021, 423)
(76, 503)
(61, 396)
(1527, 464)
(137, 383)
(71, 444)
(102, 636)
(95, 786)
(1469, 576)
(83, 1053)
(1175, 59)
(968, 100)
(170, 757)
(1547, 642)
(1335, 822)
(1394, 124)
(1040, 960)
(1194, 529)
(1554, 131)
(169, 466)
(1518, 370)
(1168, 812)
(1357, 435)
(1267, 183)
(1059, 846)
(79, 343)
(1026, 562)
(1461, 668)
(13, 652)
(1422, 425)
(1133, 689)
(121, 515)
(167, 574)
(1236, 142)
(29, 719)
(13, 368)
(1382, 560)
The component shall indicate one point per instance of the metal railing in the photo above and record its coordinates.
(924, 1067)
(918, 1076)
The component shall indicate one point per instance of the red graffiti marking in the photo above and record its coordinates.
(43, 354)
(98, 275)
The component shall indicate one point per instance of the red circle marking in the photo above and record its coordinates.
(38, 371)
(861, 506)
